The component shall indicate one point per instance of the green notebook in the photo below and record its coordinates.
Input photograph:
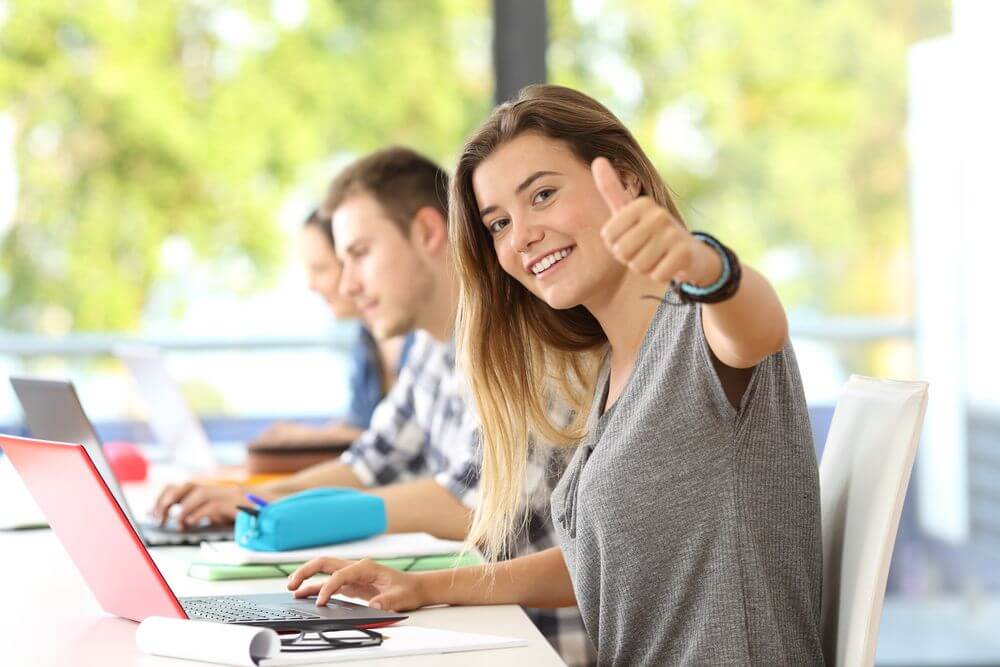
(215, 572)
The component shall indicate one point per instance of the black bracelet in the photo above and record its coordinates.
(727, 284)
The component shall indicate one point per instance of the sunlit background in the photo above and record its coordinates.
(157, 160)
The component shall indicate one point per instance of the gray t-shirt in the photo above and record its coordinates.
(691, 529)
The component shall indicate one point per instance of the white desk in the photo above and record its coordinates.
(48, 616)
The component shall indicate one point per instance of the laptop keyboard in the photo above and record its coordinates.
(239, 610)
(156, 535)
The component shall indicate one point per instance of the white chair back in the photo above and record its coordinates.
(863, 477)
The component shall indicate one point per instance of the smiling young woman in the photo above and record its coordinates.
(688, 517)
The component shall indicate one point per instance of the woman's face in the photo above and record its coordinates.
(324, 271)
(539, 203)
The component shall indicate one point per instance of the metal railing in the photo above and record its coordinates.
(88, 345)
(841, 329)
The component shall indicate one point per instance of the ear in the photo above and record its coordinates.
(631, 182)
(429, 230)
(629, 179)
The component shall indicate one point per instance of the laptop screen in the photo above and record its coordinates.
(83, 513)
(173, 422)
(53, 411)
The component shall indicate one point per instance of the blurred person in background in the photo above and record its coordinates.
(374, 364)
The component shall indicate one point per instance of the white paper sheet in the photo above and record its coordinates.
(209, 642)
(248, 647)
(397, 545)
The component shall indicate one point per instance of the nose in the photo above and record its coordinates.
(349, 284)
(313, 282)
(524, 235)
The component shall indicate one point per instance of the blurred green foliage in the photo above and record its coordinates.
(779, 124)
(139, 122)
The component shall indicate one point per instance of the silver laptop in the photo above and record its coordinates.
(174, 424)
(52, 411)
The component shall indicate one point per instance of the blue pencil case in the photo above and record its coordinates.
(311, 519)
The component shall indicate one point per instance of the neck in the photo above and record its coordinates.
(438, 316)
(625, 315)
(389, 351)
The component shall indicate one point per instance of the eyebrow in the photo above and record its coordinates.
(353, 248)
(520, 188)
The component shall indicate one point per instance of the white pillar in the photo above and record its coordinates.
(954, 141)
(937, 227)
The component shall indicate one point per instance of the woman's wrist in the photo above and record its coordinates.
(712, 267)
(725, 285)
(429, 588)
(461, 586)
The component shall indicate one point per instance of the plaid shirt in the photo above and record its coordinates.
(425, 428)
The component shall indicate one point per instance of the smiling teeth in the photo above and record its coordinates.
(549, 260)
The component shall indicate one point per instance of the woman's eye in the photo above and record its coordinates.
(542, 195)
(497, 225)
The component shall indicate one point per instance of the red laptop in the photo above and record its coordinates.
(116, 565)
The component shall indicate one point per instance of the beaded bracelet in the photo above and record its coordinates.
(723, 288)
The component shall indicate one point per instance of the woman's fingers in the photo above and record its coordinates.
(306, 590)
(635, 238)
(675, 261)
(641, 233)
(356, 574)
(647, 243)
(648, 256)
(625, 220)
(383, 587)
(313, 567)
(609, 185)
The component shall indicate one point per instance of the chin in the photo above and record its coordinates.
(558, 301)
(342, 313)
(386, 329)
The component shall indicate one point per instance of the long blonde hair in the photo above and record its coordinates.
(518, 352)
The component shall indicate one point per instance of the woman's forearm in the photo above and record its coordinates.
(750, 326)
(538, 580)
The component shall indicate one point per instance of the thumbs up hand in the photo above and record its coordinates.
(645, 236)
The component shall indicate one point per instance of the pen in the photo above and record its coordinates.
(249, 510)
(256, 500)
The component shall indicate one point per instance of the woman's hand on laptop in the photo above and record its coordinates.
(198, 502)
(383, 587)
